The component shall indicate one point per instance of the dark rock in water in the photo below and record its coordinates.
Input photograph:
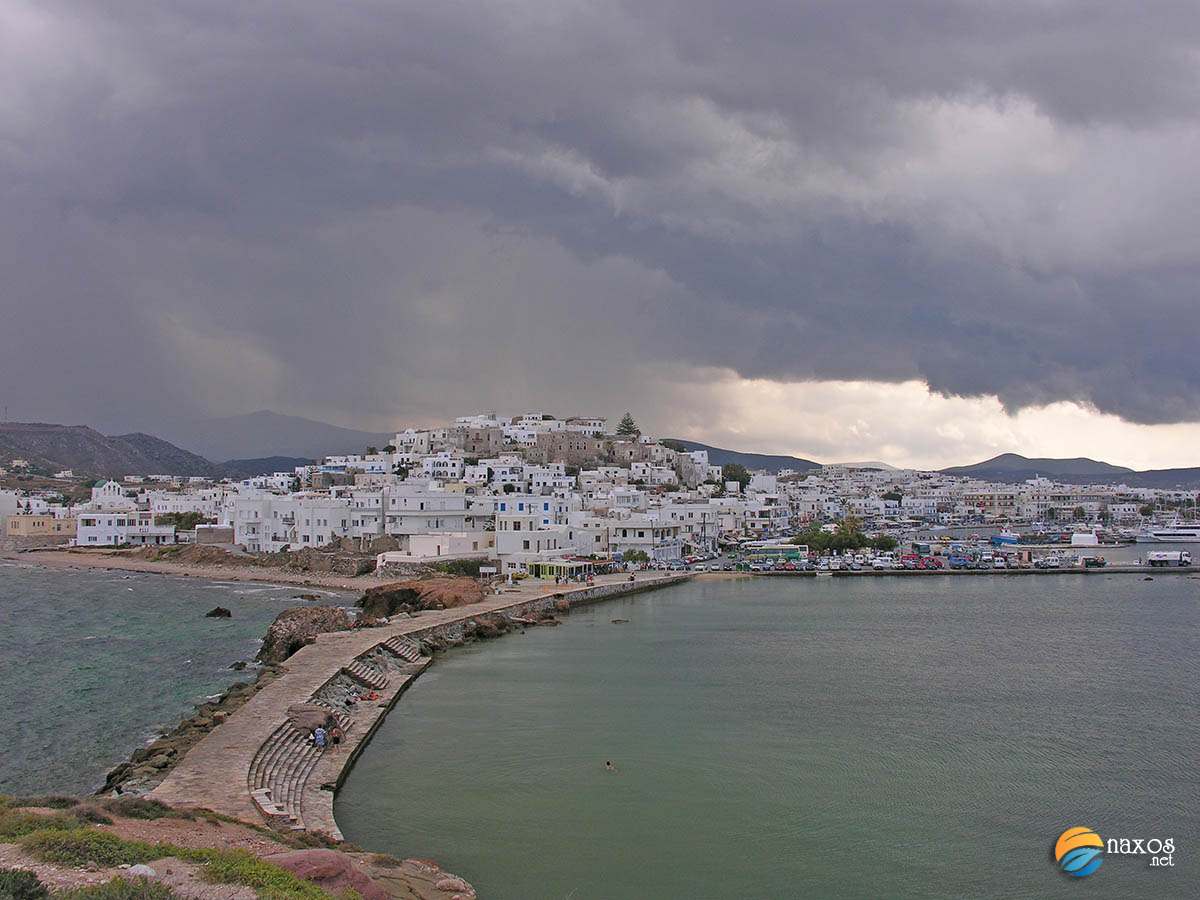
(218, 612)
(307, 597)
(239, 665)
(619, 621)
(1147, 578)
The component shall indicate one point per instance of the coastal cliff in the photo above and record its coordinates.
(420, 594)
(296, 628)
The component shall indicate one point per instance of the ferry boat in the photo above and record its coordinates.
(1002, 538)
(1177, 533)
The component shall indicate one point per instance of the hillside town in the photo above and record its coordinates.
(536, 494)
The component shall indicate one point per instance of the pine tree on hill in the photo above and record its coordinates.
(628, 426)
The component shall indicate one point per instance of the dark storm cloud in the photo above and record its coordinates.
(376, 209)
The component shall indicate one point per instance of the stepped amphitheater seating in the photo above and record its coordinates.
(280, 769)
(279, 773)
(405, 648)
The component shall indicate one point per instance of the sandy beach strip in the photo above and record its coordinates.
(124, 562)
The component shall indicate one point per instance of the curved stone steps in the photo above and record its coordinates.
(271, 776)
(263, 757)
(296, 780)
(366, 675)
(345, 722)
(405, 648)
(280, 772)
(266, 790)
(275, 749)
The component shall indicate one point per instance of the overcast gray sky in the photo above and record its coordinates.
(922, 231)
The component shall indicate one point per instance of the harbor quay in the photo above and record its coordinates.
(258, 764)
(981, 573)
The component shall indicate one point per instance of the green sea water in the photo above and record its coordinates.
(830, 738)
(93, 664)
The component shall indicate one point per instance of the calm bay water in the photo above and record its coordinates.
(811, 737)
(93, 664)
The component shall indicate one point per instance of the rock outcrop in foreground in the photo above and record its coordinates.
(420, 594)
(294, 628)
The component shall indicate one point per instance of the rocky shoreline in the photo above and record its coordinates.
(298, 627)
(149, 765)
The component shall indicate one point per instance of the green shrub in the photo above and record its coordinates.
(138, 808)
(86, 845)
(467, 567)
(17, 884)
(120, 889)
(92, 815)
(15, 823)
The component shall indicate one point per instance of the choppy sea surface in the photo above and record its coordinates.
(93, 664)
(833, 738)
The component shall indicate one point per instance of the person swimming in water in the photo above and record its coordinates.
(608, 765)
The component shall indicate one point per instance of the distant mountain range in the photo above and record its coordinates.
(718, 456)
(264, 433)
(88, 452)
(1014, 468)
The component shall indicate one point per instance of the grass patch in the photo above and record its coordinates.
(270, 881)
(120, 889)
(81, 846)
(17, 884)
(15, 823)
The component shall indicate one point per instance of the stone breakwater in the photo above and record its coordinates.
(258, 764)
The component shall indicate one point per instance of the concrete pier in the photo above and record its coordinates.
(219, 773)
